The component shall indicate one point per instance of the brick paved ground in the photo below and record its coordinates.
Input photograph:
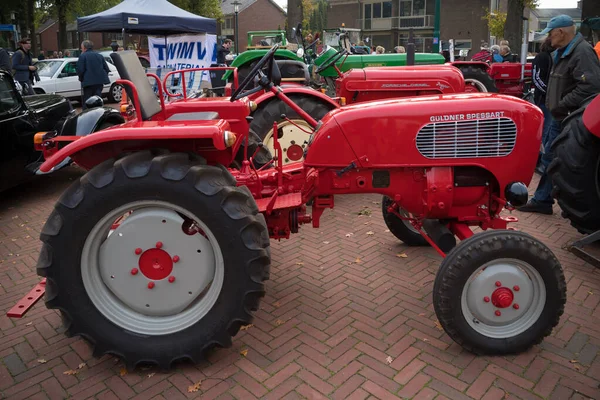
(337, 307)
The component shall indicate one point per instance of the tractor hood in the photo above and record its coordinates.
(408, 78)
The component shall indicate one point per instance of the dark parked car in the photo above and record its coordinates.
(21, 117)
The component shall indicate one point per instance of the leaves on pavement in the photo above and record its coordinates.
(195, 387)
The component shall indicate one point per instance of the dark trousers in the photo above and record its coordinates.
(89, 91)
(543, 193)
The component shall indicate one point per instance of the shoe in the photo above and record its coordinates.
(535, 207)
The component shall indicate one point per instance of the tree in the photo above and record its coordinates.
(496, 22)
(294, 15)
(205, 8)
(513, 28)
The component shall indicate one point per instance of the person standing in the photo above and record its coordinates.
(223, 51)
(575, 75)
(541, 65)
(93, 72)
(23, 67)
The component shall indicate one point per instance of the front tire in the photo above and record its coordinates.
(499, 292)
(89, 259)
(477, 80)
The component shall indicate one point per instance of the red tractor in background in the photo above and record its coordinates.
(160, 252)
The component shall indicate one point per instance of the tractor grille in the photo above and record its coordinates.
(467, 139)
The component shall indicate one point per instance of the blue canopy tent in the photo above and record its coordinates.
(147, 17)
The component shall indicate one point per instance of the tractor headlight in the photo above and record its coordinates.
(230, 138)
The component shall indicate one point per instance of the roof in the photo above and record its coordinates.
(549, 13)
(46, 25)
(227, 6)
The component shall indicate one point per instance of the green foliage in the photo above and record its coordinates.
(495, 22)
(204, 8)
(318, 17)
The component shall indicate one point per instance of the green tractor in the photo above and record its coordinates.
(335, 42)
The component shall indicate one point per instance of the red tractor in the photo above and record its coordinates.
(160, 251)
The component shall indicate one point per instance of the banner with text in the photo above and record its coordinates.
(183, 51)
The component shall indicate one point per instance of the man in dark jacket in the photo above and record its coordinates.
(575, 75)
(223, 51)
(92, 70)
(23, 67)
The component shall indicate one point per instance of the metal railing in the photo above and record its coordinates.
(415, 21)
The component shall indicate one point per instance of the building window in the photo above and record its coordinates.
(409, 8)
(378, 10)
(227, 23)
(543, 25)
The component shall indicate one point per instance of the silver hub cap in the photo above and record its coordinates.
(117, 92)
(292, 141)
(503, 298)
(147, 274)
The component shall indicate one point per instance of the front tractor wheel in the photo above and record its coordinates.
(477, 80)
(294, 136)
(499, 292)
(155, 258)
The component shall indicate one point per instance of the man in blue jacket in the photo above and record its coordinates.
(92, 70)
(23, 67)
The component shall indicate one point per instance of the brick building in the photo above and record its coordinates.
(253, 15)
(387, 23)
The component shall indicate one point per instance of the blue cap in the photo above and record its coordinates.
(560, 21)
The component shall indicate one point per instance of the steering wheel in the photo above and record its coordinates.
(331, 60)
(269, 57)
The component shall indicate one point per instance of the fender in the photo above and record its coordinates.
(90, 120)
(298, 90)
(251, 55)
(591, 117)
(88, 151)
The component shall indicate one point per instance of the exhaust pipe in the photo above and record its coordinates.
(440, 234)
(410, 49)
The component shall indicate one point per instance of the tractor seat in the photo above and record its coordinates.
(293, 71)
(130, 68)
(194, 116)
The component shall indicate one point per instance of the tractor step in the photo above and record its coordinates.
(588, 248)
(291, 200)
(28, 301)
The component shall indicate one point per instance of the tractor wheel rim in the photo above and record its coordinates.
(476, 84)
(292, 141)
(503, 298)
(406, 214)
(116, 92)
(160, 280)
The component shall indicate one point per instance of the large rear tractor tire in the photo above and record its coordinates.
(575, 173)
(403, 230)
(477, 80)
(293, 140)
(499, 292)
(155, 258)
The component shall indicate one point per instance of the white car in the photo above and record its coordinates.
(59, 75)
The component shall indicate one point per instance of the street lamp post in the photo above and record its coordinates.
(236, 9)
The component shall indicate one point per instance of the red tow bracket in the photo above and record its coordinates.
(28, 301)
